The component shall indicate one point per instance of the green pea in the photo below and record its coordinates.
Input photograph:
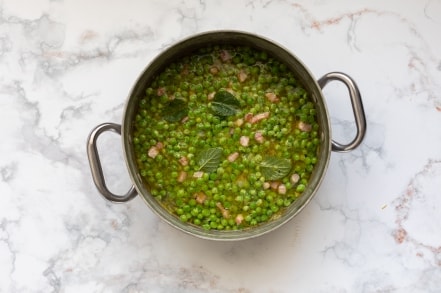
(300, 188)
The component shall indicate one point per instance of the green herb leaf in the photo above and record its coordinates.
(208, 160)
(175, 110)
(225, 104)
(274, 168)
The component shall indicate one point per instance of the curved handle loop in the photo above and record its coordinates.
(357, 108)
(95, 164)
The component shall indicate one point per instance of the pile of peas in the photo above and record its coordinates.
(236, 194)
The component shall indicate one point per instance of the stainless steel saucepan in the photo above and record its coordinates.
(185, 47)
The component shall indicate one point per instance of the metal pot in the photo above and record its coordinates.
(185, 47)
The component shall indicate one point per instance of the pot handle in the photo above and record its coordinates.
(95, 164)
(357, 108)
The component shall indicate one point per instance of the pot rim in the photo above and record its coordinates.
(276, 50)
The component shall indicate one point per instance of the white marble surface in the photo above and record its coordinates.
(67, 65)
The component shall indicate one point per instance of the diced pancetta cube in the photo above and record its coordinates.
(182, 176)
(244, 140)
(294, 178)
(238, 122)
(225, 55)
(281, 189)
(242, 76)
(232, 157)
(304, 126)
(211, 96)
(198, 174)
(225, 213)
(239, 219)
(275, 185)
(183, 161)
(259, 117)
(160, 91)
(266, 185)
(200, 197)
(258, 136)
(153, 152)
(272, 97)
(248, 117)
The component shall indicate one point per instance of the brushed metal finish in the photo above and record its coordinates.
(357, 108)
(95, 164)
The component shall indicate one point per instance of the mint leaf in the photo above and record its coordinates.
(274, 168)
(208, 160)
(175, 110)
(225, 104)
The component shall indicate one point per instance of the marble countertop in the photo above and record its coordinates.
(67, 66)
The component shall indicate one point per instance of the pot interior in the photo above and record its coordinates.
(188, 46)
